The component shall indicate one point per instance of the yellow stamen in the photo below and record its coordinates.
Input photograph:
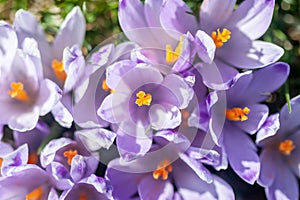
(220, 37)
(17, 91)
(237, 114)
(33, 158)
(143, 98)
(163, 170)
(70, 155)
(59, 70)
(36, 194)
(172, 56)
(286, 147)
(105, 87)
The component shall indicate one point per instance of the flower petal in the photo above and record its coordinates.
(205, 47)
(268, 129)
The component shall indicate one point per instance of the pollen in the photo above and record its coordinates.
(70, 155)
(237, 114)
(105, 87)
(36, 194)
(143, 98)
(286, 147)
(172, 56)
(220, 37)
(59, 70)
(162, 170)
(17, 92)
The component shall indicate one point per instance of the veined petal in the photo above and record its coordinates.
(205, 47)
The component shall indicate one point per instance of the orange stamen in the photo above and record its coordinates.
(70, 155)
(17, 91)
(143, 98)
(237, 114)
(82, 196)
(36, 194)
(105, 87)
(220, 38)
(33, 158)
(59, 70)
(163, 170)
(286, 147)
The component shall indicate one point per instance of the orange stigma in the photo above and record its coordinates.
(220, 37)
(172, 56)
(17, 92)
(105, 87)
(82, 196)
(286, 147)
(143, 98)
(162, 170)
(237, 114)
(185, 116)
(33, 158)
(36, 194)
(59, 70)
(70, 155)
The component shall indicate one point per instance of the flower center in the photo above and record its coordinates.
(70, 155)
(105, 87)
(143, 98)
(17, 92)
(59, 70)
(286, 147)
(237, 114)
(162, 170)
(185, 116)
(220, 37)
(35, 194)
(172, 56)
(82, 196)
(33, 158)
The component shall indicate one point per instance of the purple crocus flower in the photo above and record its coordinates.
(143, 100)
(280, 153)
(140, 23)
(154, 176)
(67, 161)
(235, 33)
(25, 93)
(244, 114)
(15, 172)
(62, 60)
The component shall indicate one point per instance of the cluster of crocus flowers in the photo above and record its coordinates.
(152, 117)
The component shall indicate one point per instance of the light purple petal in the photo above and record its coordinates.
(62, 115)
(205, 47)
(152, 11)
(268, 129)
(71, 32)
(149, 189)
(24, 121)
(253, 17)
(97, 138)
(82, 167)
(289, 122)
(242, 154)
(176, 16)
(49, 95)
(256, 118)
(215, 13)
(61, 175)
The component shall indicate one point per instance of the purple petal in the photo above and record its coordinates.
(268, 129)
(289, 122)
(152, 11)
(49, 95)
(61, 175)
(97, 138)
(253, 17)
(82, 167)
(214, 14)
(62, 115)
(71, 32)
(176, 15)
(205, 47)
(242, 158)
(149, 188)
(256, 118)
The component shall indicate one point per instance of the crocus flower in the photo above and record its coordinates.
(62, 60)
(234, 32)
(143, 100)
(279, 140)
(243, 114)
(67, 161)
(25, 93)
(154, 176)
(140, 23)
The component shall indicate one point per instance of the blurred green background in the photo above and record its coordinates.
(102, 22)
